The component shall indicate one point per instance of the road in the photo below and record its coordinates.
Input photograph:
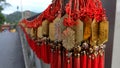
(10, 51)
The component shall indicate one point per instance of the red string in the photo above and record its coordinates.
(69, 21)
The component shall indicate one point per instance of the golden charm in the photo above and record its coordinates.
(94, 35)
(79, 32)
(39, 32)
(87, 28)
(68, 37)
(45, 27)
(103, 32)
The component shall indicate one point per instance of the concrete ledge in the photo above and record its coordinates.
(31, 60)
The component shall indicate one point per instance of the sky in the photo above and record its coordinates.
(32, 5)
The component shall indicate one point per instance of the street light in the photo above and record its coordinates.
(21, 9)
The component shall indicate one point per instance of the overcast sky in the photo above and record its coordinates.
(33, 5)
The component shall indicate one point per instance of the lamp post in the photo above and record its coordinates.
(21, 8)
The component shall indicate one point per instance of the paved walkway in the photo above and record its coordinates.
(10, 51)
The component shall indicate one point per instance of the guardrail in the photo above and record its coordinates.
(30, 58)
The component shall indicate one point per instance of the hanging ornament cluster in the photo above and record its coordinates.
(69, 36)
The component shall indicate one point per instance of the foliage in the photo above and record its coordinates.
(16, 16)
(2, 18)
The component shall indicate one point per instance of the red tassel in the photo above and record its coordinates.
(42, 51)
(55, 60)
(51, 59)
(63, 59)
(48, 53)
(68, 60)
(76, 62)
(59, 59)
(45, 54)
(95, 61)
(84, 61)
(101, 61)
(38, 51)
(89, 62)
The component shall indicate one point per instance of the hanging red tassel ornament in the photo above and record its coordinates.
(48, 53)
(45, 55)
(101, 61)
(52, 58)
(77, 61)
(59, 59)
(95, 59)
(83, 60)
(42, 51)
(63, 58)
(89, 58)
(38, 51)
(89, 61)
(101, 57)
(68, 60)
(59, 65)
(55, 60)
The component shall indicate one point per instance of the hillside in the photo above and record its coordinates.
(16, 16)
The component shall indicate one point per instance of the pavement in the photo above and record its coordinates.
(10, 51)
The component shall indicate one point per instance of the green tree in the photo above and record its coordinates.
(2, 4)
(2, 18)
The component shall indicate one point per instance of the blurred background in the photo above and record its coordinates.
(12, 11)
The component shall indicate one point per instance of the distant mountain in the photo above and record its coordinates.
(16, 16)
